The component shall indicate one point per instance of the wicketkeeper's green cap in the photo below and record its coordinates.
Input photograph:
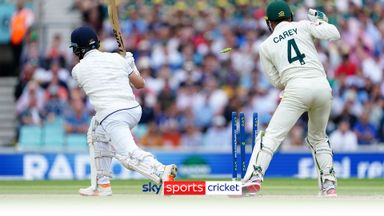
(278, 10)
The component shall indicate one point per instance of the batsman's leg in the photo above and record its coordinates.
(118, 127)
(90, 132)
(101, 161)
(319, 143)
(285, 116)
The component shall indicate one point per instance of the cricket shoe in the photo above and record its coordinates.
(329, 189)
(169, 173)
(250, 188)
(253, 184)
(101, 190)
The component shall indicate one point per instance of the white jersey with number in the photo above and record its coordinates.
(289, 52)
(104, 78)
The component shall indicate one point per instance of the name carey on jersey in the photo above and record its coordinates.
(285, 35)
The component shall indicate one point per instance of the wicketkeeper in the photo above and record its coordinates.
(107, 78)
(291, 62)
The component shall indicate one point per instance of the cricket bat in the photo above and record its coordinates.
(113, 14)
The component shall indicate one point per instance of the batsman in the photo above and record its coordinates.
(290, 60)
(106, 78)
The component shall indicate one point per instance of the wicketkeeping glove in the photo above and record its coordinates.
(315, 16)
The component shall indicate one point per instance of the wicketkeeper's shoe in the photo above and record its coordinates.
(329, 189)
(101, 190)
(331, 193)
(251, 187)
(253, 184)
(169, 173)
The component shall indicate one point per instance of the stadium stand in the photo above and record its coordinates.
(177, 46)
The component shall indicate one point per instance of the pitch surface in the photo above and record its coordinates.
(279, 196)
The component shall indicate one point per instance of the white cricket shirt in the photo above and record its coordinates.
(104, 78)
(289, 52)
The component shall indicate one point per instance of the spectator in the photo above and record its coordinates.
(218, 136)
(55, 52)
(33, 54)
(170, 135)
(203, 113)
(346, 68)
(188, 81)
(166, 97)
(59, 86)
(366, 131)
(32, 92)
(21, 21)
(152, 138)
(373, 69)
(381, 130)
(346, 114)
(295, 140)
(134, 25)
(217, 97)
(192, 138)
(31, 115)
(26, 76)
(54, 106)
(343, 139)
(186, 94)
(94, 13)
(46, 76)
(148, 112)
(77, 119)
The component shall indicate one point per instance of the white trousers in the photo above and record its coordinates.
(300, 95)
(113, 138)
(117, 129)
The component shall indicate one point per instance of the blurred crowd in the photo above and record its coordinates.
(192, 88)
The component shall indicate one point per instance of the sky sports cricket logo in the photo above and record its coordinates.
(172, 188)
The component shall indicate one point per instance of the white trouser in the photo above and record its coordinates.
(116, 128)
(113, 138)
(300, 95)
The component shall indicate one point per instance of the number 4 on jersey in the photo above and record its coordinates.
(299, 56)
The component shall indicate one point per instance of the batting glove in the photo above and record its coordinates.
(315, 16)
(131, 60)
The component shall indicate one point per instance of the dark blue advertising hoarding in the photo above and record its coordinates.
(32, 166)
